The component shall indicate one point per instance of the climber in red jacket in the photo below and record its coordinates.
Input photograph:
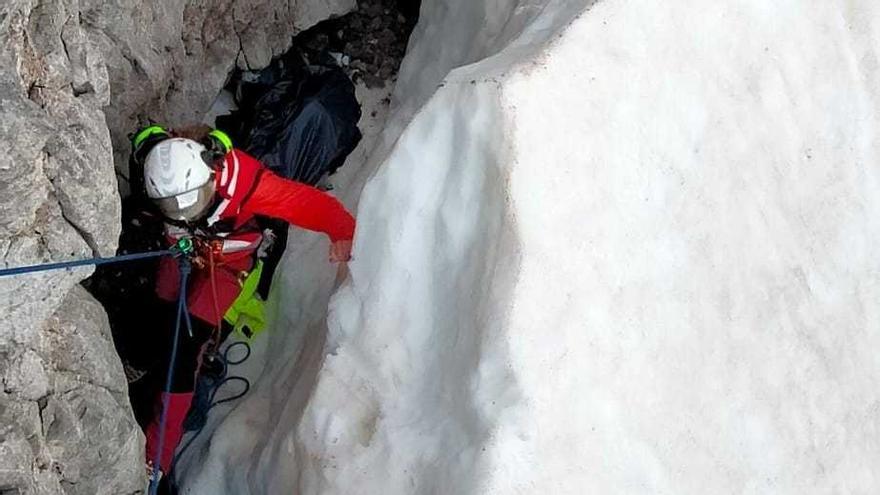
(209, 191)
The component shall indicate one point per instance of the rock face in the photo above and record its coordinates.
(70, 429)
(58, 201)
(69, 70)
(168, 59)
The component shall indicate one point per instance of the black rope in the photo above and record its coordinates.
(225, 361)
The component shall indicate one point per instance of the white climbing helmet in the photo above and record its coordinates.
(178, 179)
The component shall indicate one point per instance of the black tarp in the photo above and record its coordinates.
(298, 120)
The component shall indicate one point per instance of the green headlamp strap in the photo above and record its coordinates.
(222, 138)
(146, 133)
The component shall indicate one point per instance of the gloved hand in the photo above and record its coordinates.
(340, 251)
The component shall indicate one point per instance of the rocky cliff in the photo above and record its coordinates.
(75, 78)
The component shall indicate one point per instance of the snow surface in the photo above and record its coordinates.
(625, 248)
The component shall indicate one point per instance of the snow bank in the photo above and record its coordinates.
(630, 249)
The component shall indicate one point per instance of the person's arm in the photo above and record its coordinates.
(306, 207)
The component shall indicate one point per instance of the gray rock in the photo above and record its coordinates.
(58, 195)
(26, 376)
(168, 59)
(76, 76)
(65, 422)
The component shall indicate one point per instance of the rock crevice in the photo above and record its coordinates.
(76, 76)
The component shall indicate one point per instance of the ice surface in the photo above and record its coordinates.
(630, 249)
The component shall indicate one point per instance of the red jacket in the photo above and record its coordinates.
(247, 188)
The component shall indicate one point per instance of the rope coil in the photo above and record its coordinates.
(212, 387)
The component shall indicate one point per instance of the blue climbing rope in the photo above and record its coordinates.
(182, 314)
(184, 247)
(91, 261)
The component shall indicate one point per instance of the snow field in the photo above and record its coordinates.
(630, 249)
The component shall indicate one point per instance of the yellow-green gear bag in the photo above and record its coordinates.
(247, 315)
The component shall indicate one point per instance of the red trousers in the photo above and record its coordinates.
(178, 406)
